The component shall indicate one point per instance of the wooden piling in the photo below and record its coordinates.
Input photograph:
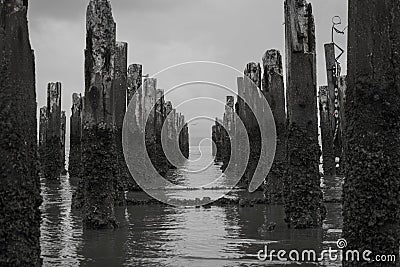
(135, 74)
(75, 150)
(229, 131)
(371, 194)
(332, 140)
(98, 146)
(274, 91)
(52, 160)
(19, 179)
(328, 153)
(149, 114)
(302, 193)
(252, 85)
(135, 94)
(342, 116)
(119, 101)
(43, 122)
(160, 160)
(74, 162)
(62, 136)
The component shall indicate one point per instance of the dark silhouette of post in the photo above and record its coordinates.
(302, 193)
(371, 192)
(19, 179)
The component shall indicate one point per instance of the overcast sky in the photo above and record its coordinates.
(161, 33)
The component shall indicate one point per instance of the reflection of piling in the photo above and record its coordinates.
(119, 99)
(98, 147)
(19, 180)
(274, 92)
(372, 126)
(302, 193)
(52, 159)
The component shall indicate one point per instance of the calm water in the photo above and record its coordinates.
(170, 236)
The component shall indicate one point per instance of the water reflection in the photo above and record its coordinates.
(61, 230)
(169, 236)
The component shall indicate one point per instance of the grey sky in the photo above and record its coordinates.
(161, 33)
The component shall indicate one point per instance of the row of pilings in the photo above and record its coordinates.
(370, 128)
(359, 122)
(52, 125)
(96, 156)
(294, 178)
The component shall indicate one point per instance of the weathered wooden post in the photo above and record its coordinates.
(62, 140)
(274, 91)
(149, 115)
(185, 140)
(135, 98)
(75, 150)
(252, 84)
(19, 179)
(98, 146)
(371, 207)
(329, 123)
(342, 116)
(328, 154)
(169, 112)
(43, 121)
(135, 74)
(229, 132)
(214, 140)
(302, 193)
(160, 158)
(52, 160)
(218, 138)
(184, 137)
(241, 133)
(75, 157)
(119, 95)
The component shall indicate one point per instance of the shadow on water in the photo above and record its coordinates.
(168, 236)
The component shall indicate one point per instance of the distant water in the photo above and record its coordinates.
(169, 236)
